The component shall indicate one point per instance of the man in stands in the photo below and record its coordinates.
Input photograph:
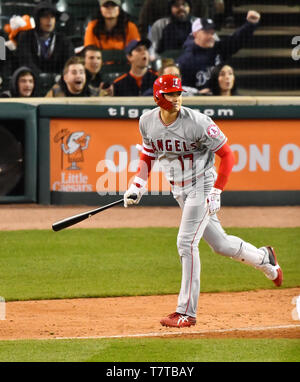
(42, 48)
(73, 82)
(139, 80)
(92, 56)
(23, 83)
(170, 33)
(203, 50)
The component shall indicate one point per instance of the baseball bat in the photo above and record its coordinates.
(68, 222)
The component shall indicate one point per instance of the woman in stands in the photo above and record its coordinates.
(112, 29)
(169, 66)
(223, 81)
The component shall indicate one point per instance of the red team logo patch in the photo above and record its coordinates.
(213, 131)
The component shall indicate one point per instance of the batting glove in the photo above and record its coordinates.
(214, 200)
(133, 195)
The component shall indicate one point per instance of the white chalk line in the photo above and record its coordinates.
(165, 334)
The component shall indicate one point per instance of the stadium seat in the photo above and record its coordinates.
(132, 7)
(80, 13)
(17, 7)
(82, 9)
(172, 53)
(88, 3)
(114, 64)
(45, 82)
(3, 21)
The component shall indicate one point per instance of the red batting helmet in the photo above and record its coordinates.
(166, 83)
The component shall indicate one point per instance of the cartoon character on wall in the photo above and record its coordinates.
(73, 147)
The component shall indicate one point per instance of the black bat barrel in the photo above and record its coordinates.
(80, 217)
(85, 215)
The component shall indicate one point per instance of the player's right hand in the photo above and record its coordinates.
(133, 195)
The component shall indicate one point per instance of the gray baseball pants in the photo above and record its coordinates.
(195, 224)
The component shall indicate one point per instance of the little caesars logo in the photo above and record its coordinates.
(73, 145)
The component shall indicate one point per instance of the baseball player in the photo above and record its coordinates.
(185, 142)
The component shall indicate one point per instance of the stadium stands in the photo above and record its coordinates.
(132, 7)
(266, 66)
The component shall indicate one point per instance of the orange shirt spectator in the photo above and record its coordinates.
(112, 29)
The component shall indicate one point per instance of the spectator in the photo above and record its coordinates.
(73, 82)
(202, 52)
(169, 66)
(139, 80)
(93, 63)
(171, 32)
(112, 29)
(223, 81)
(42, 48)
(153, 10)
(23, 83)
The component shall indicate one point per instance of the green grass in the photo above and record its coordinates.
(116, 262)
(151, 350)
(74, 263)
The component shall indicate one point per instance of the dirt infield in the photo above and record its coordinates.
(253, 314)
(14, 217)
(264, 314)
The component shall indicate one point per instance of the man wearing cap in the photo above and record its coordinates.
(203, 51)
(42, 48)
(171, 32)
(139, 80)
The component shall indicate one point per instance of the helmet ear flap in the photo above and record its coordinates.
(162, 102)
(156, 97)
(157, 94)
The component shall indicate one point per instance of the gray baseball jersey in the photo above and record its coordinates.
(185, 148)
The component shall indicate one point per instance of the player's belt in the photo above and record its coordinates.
(181, 184)
(186, 182)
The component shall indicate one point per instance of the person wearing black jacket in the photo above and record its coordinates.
(170, 33)
(23, 83)
(139, 80)
(202, 52)
(73, 81)
(152, 10)
(42, 48)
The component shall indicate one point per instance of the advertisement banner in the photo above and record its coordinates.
(101, 155)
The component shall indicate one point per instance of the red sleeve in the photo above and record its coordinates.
(147, 159)
(227, 162)
(145, 166)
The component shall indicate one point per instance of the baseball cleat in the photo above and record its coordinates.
(177, 320)
(274, 262)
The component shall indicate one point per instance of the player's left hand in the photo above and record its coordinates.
(214, 200)
(253, 17)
